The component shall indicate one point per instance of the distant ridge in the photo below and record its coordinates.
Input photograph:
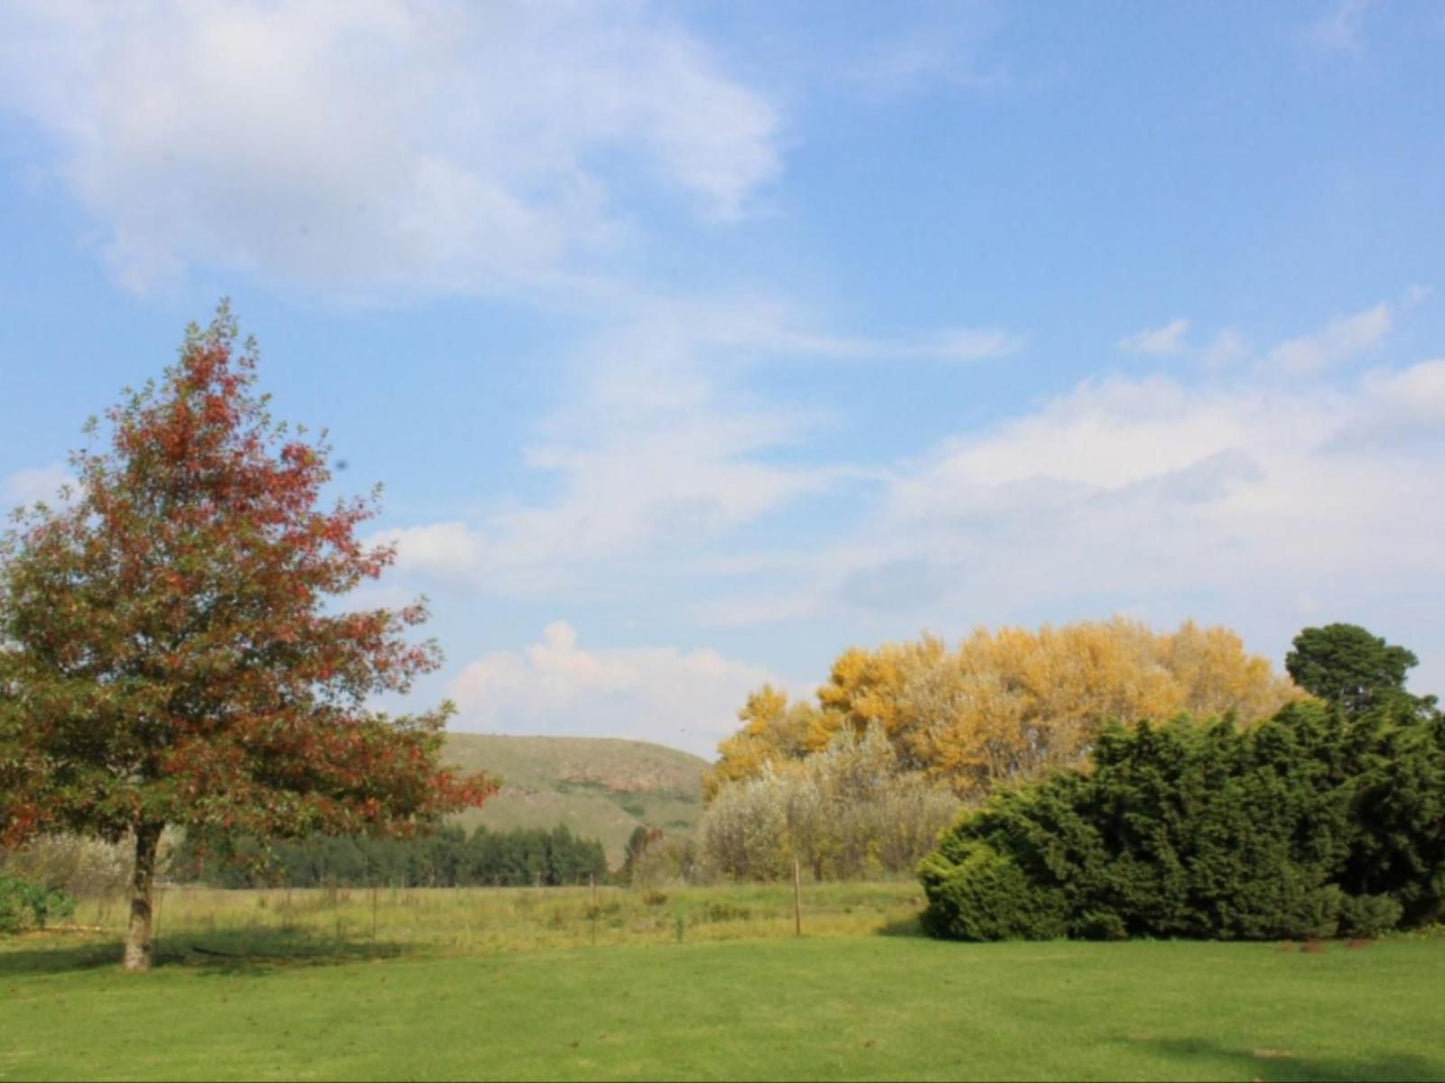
(600, 787)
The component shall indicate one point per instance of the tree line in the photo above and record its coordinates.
(1101, 780)
(1004, 705)
(448, 857)
(859, 780)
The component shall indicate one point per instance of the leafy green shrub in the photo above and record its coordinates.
(25, 905)
(1368, 915)
(985, 896)
(1315, 823)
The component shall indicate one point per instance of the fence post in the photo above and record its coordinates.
(592, 883)
(797, 898)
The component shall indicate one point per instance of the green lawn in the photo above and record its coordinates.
(858, 1006)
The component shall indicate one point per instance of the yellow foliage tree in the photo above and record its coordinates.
(774, 731)
(1009, 704)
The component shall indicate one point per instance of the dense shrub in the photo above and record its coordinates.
(1314, 823)
(27, 905)
(655, 859)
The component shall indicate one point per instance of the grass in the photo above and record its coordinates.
(470, 920)
(737, 997)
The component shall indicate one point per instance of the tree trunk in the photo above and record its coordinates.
(138, 933)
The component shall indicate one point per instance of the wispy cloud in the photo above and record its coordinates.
(381, 143)
(1341, 29)
(39, 484)
(657, 443)
(1227, 349)
(1343, 339)
(942, 45)
(1157, 341)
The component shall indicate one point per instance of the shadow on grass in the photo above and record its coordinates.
(226, 952)
(908, 927)
(1283, 1066)
(59, 959)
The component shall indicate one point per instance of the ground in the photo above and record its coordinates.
(694, 985)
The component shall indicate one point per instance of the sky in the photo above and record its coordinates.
(696, 342)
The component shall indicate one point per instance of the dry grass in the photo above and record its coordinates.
(468, 920)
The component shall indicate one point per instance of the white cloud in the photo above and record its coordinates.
(1147, 489)
(1341, 28)
(444, 550)
(1227, 349)
(41, 484)
(655, 446)
(375, 143)
(1342, 340)
(1157, 341)
(1400, 406)
(686, 699)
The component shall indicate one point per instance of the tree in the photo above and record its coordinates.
(167, 652)
(1345, 664)
(1008, 704)
(774, 730)
(850, 810)
(638, 843)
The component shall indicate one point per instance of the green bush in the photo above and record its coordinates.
(1368, 915)
(1315, 823)
(985, 896)
(25, 905)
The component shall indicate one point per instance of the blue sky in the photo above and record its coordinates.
(694, 343)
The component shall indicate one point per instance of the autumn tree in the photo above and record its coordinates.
(1010, 703)
(774, 730)
(170, 650)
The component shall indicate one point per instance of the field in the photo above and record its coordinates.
(699, 984)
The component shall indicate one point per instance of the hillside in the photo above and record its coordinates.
(600, 787)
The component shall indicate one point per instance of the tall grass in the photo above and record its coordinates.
(468, 920)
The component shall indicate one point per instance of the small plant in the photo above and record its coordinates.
(726, 911)
(679, 925)
(26, 905)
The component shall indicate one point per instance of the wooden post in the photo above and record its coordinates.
(797, 898)
(592, 883)
(373, 909)
(156, 932)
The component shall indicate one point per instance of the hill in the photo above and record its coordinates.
(600, 787)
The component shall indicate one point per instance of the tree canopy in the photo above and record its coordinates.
(1006, 705)
(171, 647)
(1345, 664)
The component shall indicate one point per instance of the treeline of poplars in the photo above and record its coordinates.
(449, 857)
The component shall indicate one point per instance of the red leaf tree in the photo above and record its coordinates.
(167, 654)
